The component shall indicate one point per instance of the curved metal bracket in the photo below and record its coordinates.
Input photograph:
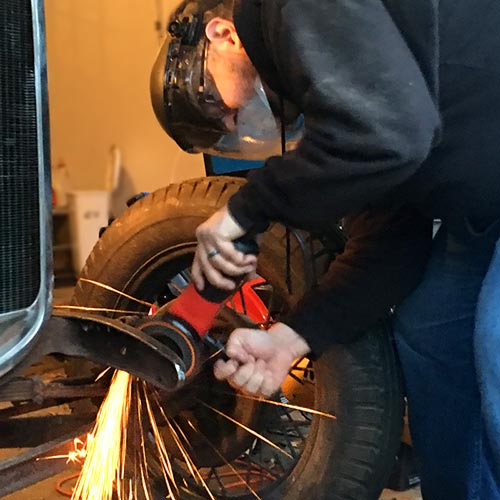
(109, 342)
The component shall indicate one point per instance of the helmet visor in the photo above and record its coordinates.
(190, 108)
(253, 132)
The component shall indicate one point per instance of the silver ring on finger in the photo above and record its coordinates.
(213, 253)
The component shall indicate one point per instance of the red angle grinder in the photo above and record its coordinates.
(183, 324)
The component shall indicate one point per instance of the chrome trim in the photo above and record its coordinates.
(19, 329)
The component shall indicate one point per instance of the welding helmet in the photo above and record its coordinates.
(190, 109)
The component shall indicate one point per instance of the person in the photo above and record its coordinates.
(389, 118)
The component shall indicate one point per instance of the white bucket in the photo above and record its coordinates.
(88, 212)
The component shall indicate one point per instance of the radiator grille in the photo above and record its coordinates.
(19, 161)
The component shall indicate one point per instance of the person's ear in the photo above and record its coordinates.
(222, 32)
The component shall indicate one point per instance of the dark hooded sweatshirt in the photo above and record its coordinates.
(401, 101)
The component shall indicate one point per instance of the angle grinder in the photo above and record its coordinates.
(183, 324)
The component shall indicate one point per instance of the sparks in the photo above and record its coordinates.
(219, 454)
(248, 429)
(166, 465)
(114, 290)
(95, 309)
(102, 466)
(77, 455)
(111, 471)
(287, 405)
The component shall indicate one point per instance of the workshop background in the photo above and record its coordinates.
(104, 136)
(100, 55)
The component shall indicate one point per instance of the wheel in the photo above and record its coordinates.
(147, 252)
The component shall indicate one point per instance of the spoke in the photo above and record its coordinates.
(270, 305)
(297, 379)
(189, 462)
(248, 429)
(257, 466)
(210, 474)
(285, 435)
(296, 364)
(219, 454)
(300, 369)
(192, 470)
(296, 425)
(165, 462)
(215, 474)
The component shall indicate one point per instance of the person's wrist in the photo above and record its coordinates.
(283, 335)
(230, 225)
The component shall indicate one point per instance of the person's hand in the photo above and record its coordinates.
(216, 256)
(260, 360)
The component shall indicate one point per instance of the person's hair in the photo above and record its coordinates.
(210, 9)
(224, 10)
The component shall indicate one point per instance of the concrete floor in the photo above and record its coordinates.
(46, 490)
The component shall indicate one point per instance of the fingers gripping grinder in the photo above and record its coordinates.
(183, 324)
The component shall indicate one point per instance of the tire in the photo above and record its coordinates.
(349, 458)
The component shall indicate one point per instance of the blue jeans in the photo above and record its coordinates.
(448, 339)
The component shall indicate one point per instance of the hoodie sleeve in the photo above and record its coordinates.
(384, 260)
(370, 114)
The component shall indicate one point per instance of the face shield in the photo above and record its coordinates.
(191, 110)
(254, 132)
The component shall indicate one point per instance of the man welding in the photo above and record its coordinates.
(387, 114)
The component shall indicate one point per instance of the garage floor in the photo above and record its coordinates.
(46, 490)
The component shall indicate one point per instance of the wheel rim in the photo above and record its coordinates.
(262, 464)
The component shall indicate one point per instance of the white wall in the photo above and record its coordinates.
(100, 53)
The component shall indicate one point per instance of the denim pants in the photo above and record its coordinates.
(448, 339)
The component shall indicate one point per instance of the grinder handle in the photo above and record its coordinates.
(246, 244)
